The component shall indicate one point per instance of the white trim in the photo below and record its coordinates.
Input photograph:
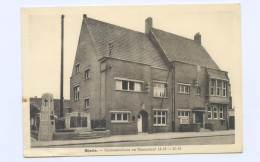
(87, 68)
(158, 81)
(184, 84)
(133, 80)
(77, 63)
(120, 112)
(184, 109)
(75, 85)
(161, 109)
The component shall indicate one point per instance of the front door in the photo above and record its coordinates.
(199, 118)
(142, 121)
(139, 123)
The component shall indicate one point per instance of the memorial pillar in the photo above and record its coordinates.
(47, 120)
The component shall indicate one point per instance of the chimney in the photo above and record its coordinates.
(197, 38)
(148, 25)
(84, 16)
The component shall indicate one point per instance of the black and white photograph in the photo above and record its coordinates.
(130, 80)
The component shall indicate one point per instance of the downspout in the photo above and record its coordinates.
(173, 100)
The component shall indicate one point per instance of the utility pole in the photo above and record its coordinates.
(61, 68)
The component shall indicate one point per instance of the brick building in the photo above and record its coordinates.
(146, 82)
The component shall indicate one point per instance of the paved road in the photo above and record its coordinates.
(227, 139)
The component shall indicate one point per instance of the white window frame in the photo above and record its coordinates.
(157, 116)
(186, 88)
(221, 112)
(85, 99)
(77, 66)
(224, 88)
(210, 112)
(76, 93)
(213, 87)
(122, 116)
(159, 89)
(218, 87)
(119, 84)
(184, 115)
(87, 69)
(215, 112)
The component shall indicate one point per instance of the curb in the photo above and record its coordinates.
(71, 144)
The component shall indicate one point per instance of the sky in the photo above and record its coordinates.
(219, 26)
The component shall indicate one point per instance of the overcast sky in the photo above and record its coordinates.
(218, 25)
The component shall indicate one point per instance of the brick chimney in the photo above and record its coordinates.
(84, 16)
(197, 38)
(148, 25)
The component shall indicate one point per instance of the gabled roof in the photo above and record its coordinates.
(177, 48)
(128, 44)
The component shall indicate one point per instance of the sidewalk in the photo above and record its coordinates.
(134, 138)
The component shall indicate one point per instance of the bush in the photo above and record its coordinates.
(98, 123)
(184, 127)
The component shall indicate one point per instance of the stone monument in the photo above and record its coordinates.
(47, 120)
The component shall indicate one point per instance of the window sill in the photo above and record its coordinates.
(160, 97)
(128, 91)
(158, 125)
(184, 93)
(86, 108)
(120, 122)
(76, 100)
(216, 119)
(86, 79)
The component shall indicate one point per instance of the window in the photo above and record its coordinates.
(77, 68)
(127, 85)
(184, 116)
(215, 112)
(159, 89)
(184, 88)
(213, 87)
(198, 90)
(218, 87)
(209, 113)
(119, 116)
(221, 113)
(76, 92)
(224, 89)
(86, 103)
(183, 113)
(160, 117)
(87, 73)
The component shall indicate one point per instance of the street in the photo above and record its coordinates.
(225, 139)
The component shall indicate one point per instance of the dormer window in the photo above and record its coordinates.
(77, 68)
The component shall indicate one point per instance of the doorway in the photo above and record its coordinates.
(142, 121)
(199, 118)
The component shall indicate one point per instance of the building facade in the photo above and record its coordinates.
(146, 82)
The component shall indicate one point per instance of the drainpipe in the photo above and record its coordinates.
(173, 100)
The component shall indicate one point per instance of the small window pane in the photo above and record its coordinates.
(118, 117)
(131, 85)
(159, 121)
(125, 85)
(113, 117)
(159, 112)
(124, 116)
(163, 120)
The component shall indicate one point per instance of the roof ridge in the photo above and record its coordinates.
(174, 34)
(115, 25)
